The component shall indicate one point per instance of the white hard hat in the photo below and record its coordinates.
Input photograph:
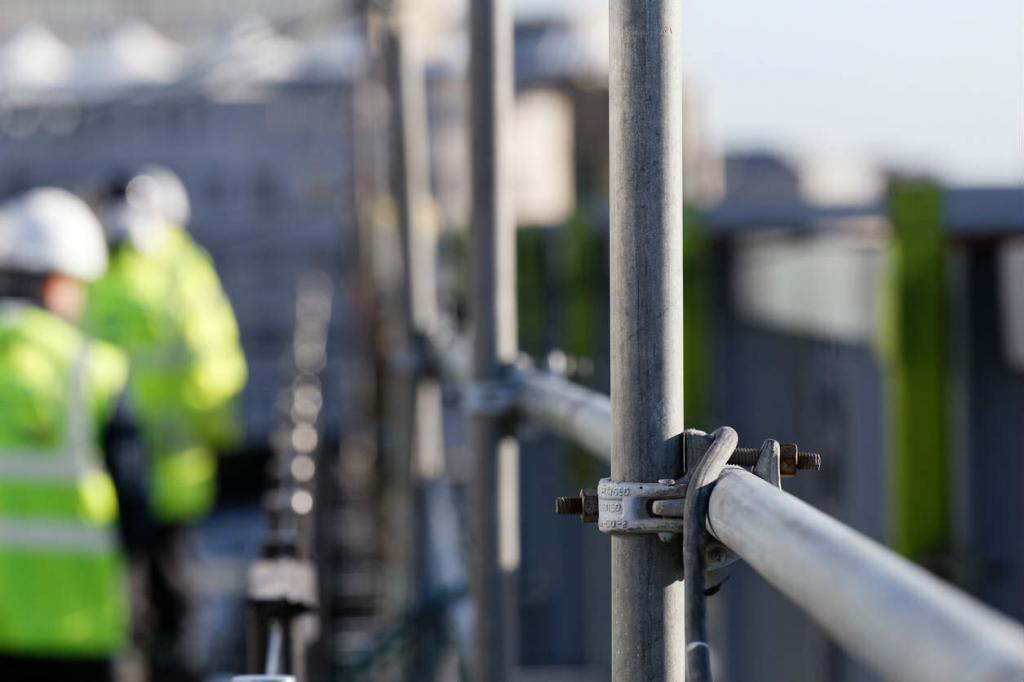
(50, 230)
(159, 190)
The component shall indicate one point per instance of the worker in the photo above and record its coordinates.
(162, 302)
(71, 465)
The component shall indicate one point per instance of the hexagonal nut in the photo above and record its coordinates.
(789, 453)
(590, 508)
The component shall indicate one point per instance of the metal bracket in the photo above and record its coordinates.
(634, 508)
(679, 508)
(717, 557)
(630, 508)
(769, 463)
(626, 508)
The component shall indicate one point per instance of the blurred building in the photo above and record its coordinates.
(560, 122)
(567, 54)
(84, 20)
(257, 125)
(760, 177)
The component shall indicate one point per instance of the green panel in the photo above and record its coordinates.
(586, 289)
(582, 263)
(697, 321)
(530, 288)
(915, 350)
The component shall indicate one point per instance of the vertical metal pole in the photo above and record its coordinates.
(645, 87)
(493, 311)
(418, 238)
(424, 442)
(412, 174)
(422, 439)
(436, 550)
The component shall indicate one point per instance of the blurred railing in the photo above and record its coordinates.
(283, 592)
(869, 599)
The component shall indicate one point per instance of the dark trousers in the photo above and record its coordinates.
(27, 669)
(168, 606)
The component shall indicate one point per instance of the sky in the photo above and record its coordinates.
(924, 85)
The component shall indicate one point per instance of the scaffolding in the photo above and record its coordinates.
(678, 501)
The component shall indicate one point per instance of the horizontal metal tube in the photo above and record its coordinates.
(890, 614)
(569, 410)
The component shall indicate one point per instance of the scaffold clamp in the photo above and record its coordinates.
(634, 507)
(627, 508)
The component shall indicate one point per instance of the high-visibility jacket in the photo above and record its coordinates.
(165, 307)
(62, 576)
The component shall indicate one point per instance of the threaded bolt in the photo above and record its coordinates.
(805, 461)
(569, 505)
(584, 504)
(808, 461)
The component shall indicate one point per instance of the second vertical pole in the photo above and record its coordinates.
(493, 313)
(645, 90)
(418, 409)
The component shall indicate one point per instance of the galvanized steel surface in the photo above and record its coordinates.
(892, 615)
(578, 414)
(645, 91)
(698, 489)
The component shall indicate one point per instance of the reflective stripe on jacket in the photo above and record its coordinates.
(61, 570)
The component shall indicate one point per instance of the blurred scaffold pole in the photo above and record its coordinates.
(421, 500)
(494, 495)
